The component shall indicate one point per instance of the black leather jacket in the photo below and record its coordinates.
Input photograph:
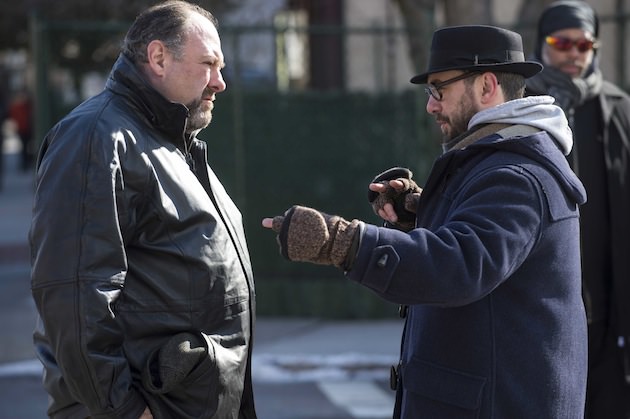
(132, 244)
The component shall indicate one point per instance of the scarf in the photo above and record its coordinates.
(568, 92)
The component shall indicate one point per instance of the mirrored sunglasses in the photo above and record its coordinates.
(560, 43)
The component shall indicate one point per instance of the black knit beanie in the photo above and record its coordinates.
(564, 14)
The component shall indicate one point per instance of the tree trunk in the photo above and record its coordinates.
(527, 22)
(418, 16)
(467, 12)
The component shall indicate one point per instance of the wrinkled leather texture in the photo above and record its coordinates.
(130, 246)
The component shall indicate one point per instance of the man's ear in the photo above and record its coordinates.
(157, 56)
(490, 88)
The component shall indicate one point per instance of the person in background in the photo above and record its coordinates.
(599, 114)
(485, 260)
(21, 112)
(140, 270)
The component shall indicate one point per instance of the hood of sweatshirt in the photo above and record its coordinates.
(535, 111)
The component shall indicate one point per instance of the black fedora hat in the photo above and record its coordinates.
(477, 47)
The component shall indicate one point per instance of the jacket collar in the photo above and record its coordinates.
(168, 117)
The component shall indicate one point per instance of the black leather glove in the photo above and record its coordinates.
(170, 365)
(404, 201)
(307, 235)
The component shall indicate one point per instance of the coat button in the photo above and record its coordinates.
(402, 310)
(382, 262)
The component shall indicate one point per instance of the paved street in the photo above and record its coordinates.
(302, 368)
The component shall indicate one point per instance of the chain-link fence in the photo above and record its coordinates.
(276, 140)
(311, 114)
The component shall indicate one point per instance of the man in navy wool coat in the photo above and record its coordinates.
(485, 260)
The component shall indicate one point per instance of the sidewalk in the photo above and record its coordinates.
(16, 192)
(286, 349)
(16, 306)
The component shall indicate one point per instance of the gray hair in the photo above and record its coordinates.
(166, 22)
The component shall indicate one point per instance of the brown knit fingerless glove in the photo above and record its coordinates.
(404, 201)
(307, 235)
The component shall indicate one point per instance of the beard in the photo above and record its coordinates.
(200, 115)
(457, 124)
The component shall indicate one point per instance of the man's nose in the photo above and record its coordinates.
(217, 83)
(433, 105)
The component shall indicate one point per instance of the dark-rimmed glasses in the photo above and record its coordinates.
(433, 89)
(563, 44)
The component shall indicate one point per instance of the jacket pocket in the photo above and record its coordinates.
(193, 394)
(434, 391)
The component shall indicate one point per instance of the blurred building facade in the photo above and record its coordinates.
(289, 45)
(362, 45)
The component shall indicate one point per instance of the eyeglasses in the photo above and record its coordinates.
(433, 90)
(560, 43)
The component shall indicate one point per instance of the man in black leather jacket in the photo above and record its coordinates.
(599, 114)
(140, 269)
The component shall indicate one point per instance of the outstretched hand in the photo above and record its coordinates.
(308, 235)
(268, 222)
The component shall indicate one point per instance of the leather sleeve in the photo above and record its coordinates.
(79, 264)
